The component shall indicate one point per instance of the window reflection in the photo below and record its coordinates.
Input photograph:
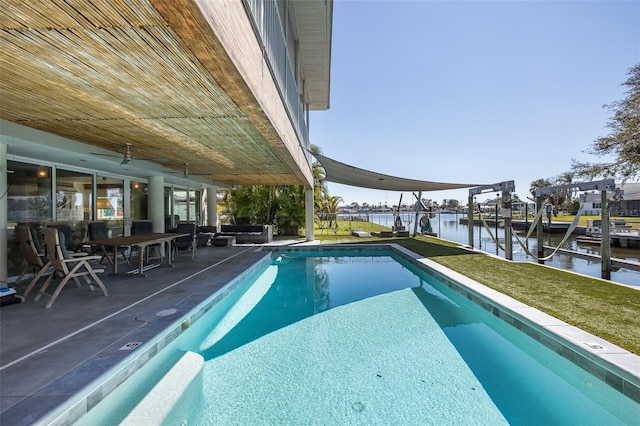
(28, 203)
(74, 193)
(181, 205)
(186, 205)
(139, 201)
(110, 204)
(28, 193)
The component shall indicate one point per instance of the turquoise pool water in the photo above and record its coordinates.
(368, 339)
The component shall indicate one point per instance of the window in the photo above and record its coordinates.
(73, 197)
(28, 203)
(28, 194)
(110, 204)
(139, 201)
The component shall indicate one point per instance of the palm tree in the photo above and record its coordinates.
(290, 215)
(320, 190)
(561, 197)
(537, 184)
(558, 197)
(280, 205)
(332, 208)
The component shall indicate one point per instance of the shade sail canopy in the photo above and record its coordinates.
(338, 172)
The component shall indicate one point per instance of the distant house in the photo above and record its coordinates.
(629, 206)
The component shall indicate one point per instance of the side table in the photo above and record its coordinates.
(223, 241)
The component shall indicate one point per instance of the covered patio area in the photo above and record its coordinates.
(50, 355)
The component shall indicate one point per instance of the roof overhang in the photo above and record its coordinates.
(345, 174)
(314, 25)
(157, 74)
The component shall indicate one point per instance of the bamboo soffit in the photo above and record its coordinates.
(110, 72)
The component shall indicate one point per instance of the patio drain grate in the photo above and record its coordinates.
(130, 346)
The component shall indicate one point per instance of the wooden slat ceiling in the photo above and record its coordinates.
(110, 72)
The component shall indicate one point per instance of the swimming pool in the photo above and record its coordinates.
(367, 337)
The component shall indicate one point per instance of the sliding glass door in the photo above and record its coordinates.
(110, 204)
(73, 197)
(28, 203)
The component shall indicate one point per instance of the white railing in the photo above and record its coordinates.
(270, 32)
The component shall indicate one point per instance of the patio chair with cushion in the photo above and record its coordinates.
(67, 232)
(188, 242)
(33, 253)
(98, 231)
(67, 266)
(139, 227)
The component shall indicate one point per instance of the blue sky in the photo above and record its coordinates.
(472, 91)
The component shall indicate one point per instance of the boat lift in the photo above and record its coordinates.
(601, 185)
(420, 207)
(506, 187)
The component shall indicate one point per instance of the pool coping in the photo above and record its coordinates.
(612, 364)
(615, 366)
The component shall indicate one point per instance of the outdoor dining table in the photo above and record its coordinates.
(141, 242)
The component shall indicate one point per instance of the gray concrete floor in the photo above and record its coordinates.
(48, 355)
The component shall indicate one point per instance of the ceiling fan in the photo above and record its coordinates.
(186, 172)
(128, 157)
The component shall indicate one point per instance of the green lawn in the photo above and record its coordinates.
(607, 310)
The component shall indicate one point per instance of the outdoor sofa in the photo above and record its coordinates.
(248, 233)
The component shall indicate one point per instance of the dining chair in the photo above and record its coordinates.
(68, 234)
(33, 253)
(67, 267)
(98, 231)
(188, 242)
(139, 227)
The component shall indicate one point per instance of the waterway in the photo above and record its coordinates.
(448, 227)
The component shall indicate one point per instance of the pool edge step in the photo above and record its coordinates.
(163, 403)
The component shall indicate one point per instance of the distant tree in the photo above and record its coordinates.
(428, 202)
(561, 197)
(558, 198)
(573, 206)
(537, 184)
(450, 204)
(623, 140)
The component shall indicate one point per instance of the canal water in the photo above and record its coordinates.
(448, 227)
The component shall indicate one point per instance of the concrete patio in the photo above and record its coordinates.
(48, 355)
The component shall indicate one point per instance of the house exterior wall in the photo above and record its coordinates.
(628, 206)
